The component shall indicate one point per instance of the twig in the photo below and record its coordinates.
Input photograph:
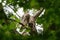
(38, 12)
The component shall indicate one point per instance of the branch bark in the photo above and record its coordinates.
(38, 12)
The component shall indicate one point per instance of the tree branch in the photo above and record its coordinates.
(38, 12)
(15, 21)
